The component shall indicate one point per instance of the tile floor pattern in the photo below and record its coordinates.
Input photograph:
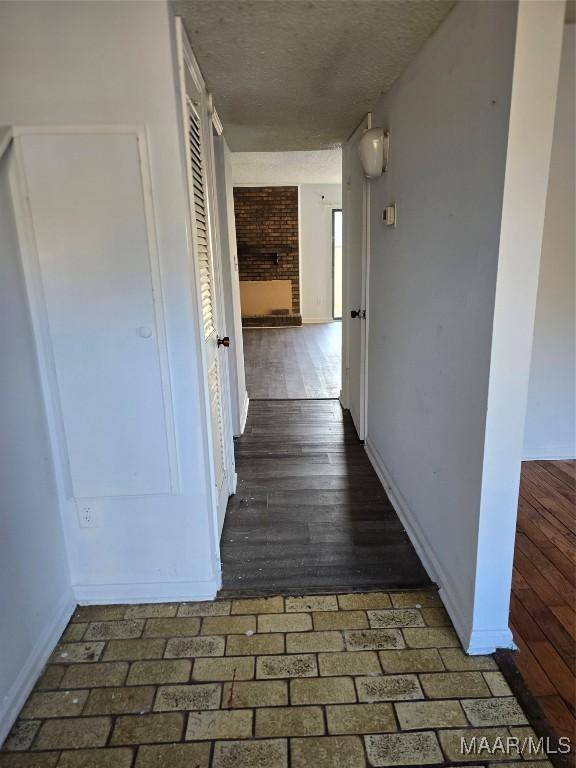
(332, 681)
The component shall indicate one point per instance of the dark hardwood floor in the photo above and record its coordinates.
(542, 615)
(294, 363)
(310, 514)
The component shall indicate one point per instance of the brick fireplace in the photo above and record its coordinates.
(268, 255)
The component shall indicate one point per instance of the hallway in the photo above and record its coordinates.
(310, 513)
(293, 363)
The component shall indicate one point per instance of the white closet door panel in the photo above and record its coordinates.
(89, 222)
(216, 417)
(201, 222)
(200, 208)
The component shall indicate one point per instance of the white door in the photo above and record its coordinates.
(355, 250)
(97, 267)
(196, 142)
(198, 138)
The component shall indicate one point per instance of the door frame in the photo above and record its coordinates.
(188, 67)
(347, 243)
(215, 224)
(332, 218)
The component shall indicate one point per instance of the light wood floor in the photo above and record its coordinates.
(293, 363)
(542, 615)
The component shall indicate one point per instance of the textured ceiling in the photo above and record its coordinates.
(301, 74)
(323, 166)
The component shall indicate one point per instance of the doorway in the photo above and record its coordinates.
(286, 240)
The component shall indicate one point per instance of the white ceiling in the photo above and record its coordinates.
(301, 74)
(287, 168)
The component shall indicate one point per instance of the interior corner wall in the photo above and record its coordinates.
(550, 430)
(114, 64)
(317, 201)
(432, 286)
(36, 597)
(536, 69)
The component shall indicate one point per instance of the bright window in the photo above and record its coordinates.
(337, 264)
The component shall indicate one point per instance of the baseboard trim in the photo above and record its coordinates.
(146, 592)
(417, 536)
(312, 320)
(485, 641)
(244, 414)
(474, 642)
(21, 688)
(558, 453)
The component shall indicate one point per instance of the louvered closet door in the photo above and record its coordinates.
(205, 270)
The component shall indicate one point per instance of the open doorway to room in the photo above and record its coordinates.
(285, 244)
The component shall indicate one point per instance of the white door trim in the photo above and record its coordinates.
(344, 391)
(366, 297)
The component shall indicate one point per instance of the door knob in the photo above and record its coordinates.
(355, 313)
(225, 342)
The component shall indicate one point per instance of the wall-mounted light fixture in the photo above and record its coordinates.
(373, 148)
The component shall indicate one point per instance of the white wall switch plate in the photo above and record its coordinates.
(88, 514)
(389, 215)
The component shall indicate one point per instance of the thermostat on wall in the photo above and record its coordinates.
(389, 215)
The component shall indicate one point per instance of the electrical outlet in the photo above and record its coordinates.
(87, 514)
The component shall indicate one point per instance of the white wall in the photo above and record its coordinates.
(316, 204)
(432, 280)
(432, 293)
(113, 63)
(550, 430)
(35, 595)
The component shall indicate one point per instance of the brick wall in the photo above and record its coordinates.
(267, 217)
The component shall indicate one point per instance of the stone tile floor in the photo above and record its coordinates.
(330, 681)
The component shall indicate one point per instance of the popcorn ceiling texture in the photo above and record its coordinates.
(295, 75)
(323, 166)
